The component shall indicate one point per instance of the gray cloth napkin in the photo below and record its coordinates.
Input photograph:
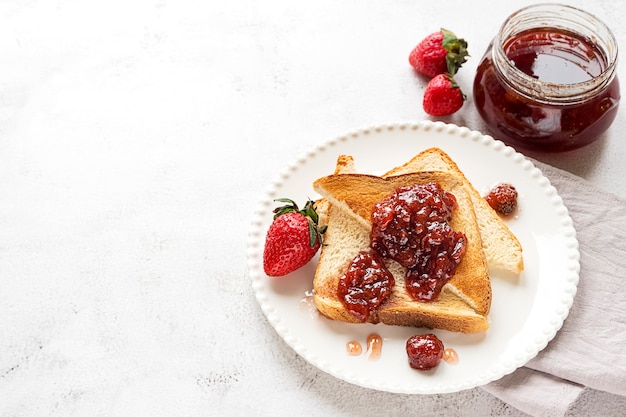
(588, 351)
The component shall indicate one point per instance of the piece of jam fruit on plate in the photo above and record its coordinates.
(502, 198)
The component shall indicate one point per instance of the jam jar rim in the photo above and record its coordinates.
(534, 89)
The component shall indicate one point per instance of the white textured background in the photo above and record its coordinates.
(135, 140)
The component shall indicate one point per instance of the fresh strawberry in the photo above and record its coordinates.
(442, 96)
(438, 53)
(292, 239)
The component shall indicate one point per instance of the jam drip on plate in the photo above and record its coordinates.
(411, 227)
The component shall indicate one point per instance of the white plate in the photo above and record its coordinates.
(526, 312)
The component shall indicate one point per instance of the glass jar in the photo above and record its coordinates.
(547, 81)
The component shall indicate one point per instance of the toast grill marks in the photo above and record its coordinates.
(356, 194)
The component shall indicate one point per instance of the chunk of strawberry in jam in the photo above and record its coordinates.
(401, 221)
(440, 257)
(502, 198)
(411, 227)
(424, 351)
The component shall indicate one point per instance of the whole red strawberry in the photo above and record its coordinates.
(438, 53)
(292, 239)
(442, 96)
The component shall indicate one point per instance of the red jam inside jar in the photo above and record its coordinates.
(548, 80)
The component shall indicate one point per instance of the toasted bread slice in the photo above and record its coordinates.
(502, 249)
(358, 193)
(348, 234)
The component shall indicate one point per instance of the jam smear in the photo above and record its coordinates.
(354, 348)
(438, 264)
(450, 356)
(556, 56)
(374, 346)
(366, 285)
(411, 227)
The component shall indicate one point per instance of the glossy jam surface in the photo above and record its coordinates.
(502, 198)
(365, 286)
(557, 57)
(554, 56)
(450, 356)
(424, 351)
(411, 227)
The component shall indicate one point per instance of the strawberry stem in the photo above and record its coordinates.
(308, 212)
(457, 51)
(312, 234)
(454, 84)
(288, 208)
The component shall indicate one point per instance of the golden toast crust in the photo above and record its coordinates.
(358, 193)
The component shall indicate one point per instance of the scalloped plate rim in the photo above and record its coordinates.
(543, 334)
